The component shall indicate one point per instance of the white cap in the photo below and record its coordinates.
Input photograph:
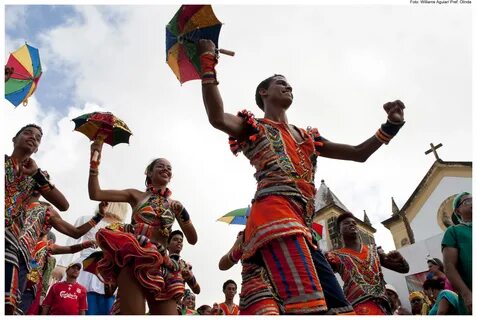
(391, 288)
(74, 264)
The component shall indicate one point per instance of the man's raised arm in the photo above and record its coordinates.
(214, 106)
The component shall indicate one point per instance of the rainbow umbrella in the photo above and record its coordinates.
(237, 216)
(91, 262)
(26, 66)
(190, 24)
(104, 126)
(318, 228)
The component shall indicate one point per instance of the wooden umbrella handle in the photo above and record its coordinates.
(100, 138)
(227, 52)
(224, 51)
(95, 156)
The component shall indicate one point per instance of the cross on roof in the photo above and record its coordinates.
(433, 149)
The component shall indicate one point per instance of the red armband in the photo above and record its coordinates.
(208, 61)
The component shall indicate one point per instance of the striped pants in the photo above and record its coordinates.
(15, 284)
(287, 281)
(293, 275)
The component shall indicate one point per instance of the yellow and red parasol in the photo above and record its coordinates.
(104, 126)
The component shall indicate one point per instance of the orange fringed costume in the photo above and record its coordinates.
(277, 236)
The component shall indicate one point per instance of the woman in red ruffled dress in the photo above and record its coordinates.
(135, 257)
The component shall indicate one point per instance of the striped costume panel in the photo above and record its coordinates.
(293, 275)
(12, 291)
(270, 218)
(257, 296)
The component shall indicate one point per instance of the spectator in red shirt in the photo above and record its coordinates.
(66, 297)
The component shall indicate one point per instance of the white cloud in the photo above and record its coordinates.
(15, 16)
(119, 65)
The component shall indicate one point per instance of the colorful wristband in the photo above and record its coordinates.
(94, 164)
(208, 61)
(46, 188)
(42, 180)
(184, 215)
(97, 218)
(387, 131)
(41, 177)
(391, 128)
(92, 223)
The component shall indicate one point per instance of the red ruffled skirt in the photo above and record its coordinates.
(122, 249)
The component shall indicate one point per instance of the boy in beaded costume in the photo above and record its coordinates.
(22, 177)
(359, 266)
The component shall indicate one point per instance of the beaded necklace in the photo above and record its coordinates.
(166, 193)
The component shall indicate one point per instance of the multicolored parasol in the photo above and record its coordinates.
(103, 126)
(26, 66)
(190, 24)
(318, 229)
(91, 262)
(237, 216)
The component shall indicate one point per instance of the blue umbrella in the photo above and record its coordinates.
(237, 216)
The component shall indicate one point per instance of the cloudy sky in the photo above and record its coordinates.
(343, 61)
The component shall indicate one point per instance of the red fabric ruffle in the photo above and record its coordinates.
(252, 129)
(122, 249)
(317, 139)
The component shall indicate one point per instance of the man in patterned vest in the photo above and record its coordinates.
(359, 266)
(22, 177)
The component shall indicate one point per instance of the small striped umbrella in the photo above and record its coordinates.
(103, 126)
(91, 262)
(237, 216)
(190, 24)
(26, 66)
(318, 229)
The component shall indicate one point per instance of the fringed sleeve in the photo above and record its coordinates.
(252, 132)
(317, 139)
